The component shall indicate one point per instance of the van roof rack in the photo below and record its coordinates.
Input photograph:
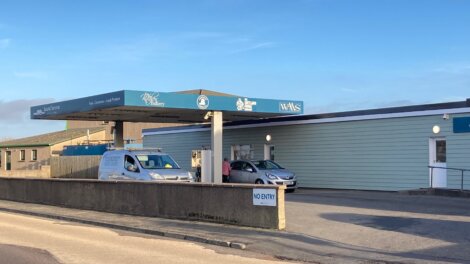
(137, 149)
(148, 149)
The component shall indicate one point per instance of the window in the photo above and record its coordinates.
(236, 165)
(267, 165)
(243, 152)
(34, 154)
(441, 153)
(128, 162)
(247, 167)
(22, 155)
(157, 162)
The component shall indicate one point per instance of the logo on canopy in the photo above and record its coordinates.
(245, 105)
(151, 99)
(202, 102)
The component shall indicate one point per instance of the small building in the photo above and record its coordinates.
(31, 156)
(379, 149)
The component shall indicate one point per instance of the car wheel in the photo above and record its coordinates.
(258, 181)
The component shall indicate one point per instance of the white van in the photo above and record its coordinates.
(147, 165)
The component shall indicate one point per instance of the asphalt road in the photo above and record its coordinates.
(385, 226)
(25, 255)
(323, 226)
(26, 239)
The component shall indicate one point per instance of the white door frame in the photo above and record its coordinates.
(439, 176)
(267, 148)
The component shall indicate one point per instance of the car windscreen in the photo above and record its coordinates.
(267, 165)
(153, 162)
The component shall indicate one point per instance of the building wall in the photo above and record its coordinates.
(43, 172)
(86, 124)
(380, 154)
(43, 155)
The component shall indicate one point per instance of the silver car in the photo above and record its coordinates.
(262, 172)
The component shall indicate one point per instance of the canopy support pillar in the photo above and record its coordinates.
(216, 145)
(118, 134)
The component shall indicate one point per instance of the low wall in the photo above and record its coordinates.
(220, 203)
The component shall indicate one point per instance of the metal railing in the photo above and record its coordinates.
(445, 168)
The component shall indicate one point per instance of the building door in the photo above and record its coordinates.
(269, 152)
(438, 158)
(8, 160)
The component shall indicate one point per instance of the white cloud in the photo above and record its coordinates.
(17, 111)
(261, 45)
(179, 45)
(30, 128)
(32, 75)
(5, 43)
(17, 123)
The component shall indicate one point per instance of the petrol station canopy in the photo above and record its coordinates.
(164, 107)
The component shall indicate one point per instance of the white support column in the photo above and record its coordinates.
(118, 134)
(216, 141)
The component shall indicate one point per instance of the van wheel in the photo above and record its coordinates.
(259, 181)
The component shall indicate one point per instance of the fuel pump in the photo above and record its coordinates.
(201, 162)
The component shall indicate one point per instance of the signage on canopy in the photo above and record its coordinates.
(170, 101)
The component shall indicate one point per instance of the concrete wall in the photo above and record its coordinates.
(223, 203)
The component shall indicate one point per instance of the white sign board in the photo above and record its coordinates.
(264, 197)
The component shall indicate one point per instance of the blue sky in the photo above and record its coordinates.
(334, 55)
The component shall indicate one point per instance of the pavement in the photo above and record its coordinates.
(323, 226)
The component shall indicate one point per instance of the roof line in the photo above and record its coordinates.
(17, 142)
(314, 119)
(24, 145)
(96, 130)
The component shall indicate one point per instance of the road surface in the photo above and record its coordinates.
(26, 239)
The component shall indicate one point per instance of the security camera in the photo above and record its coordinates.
(208, 115)
(445, 116)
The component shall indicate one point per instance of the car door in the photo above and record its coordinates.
(248, 173)
(236, 172)
(129, 174)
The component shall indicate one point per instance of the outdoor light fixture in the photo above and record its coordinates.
(445, 116)
(268, 137)
(208, 115)
(436, 129)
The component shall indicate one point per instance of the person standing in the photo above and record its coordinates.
(226, 171)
